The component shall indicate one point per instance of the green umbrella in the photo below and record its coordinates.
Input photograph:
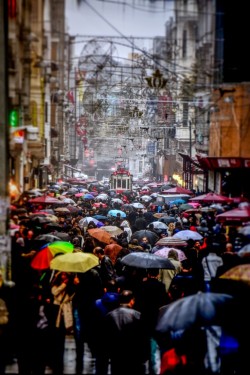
(58, 247)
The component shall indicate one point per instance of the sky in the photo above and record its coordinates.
(122, 18)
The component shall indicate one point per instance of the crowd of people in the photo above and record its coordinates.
(112, 308)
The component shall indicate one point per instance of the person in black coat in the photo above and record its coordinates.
(150, 296)
(125, 337)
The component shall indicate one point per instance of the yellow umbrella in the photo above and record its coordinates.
(74, 262)
(238, 273)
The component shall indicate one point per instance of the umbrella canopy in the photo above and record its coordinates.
(177, 201)
(171, 241)
(45, 199)
(102, 196)
(211, 197)
(116, 200)
(138, 205)
(179, 190)
(41, 260)
(84, 222)
(68, 201)
(88, 196)
(62, 236)
(100, 204)
(245, 230)
(112, 250)
(239, 273)
(74, 262)
(51, 227)
(100, 235)
(115, 212)
(78, 195)
(188, 235)
(163, 252)
(244, 251)
(72, 209)
(146, 198)
(151, 236)
(46, 238)
(146, 260)
(168, 219)
(100, 217)
(200, 309)
(59, 247)
(185, 207)
(62, 210)
(112, 229)
(159, 225)
(236, 214)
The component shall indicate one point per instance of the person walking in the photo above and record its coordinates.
(125, 337)
(106, 267)
(210, 264)
(165, 275)
(88, 288)
(149, 297)
(62, 290)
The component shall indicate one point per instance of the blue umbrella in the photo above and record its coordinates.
(177, 201)
(100, 217)
(88, 196)
(115, 212)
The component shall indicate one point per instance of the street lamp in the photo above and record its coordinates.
(157, 82)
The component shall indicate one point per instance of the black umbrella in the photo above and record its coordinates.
(51, 227)
(43, 239)
(168, 219)
(62, 236)
(200, 309)
(151, 236)
(146, 260)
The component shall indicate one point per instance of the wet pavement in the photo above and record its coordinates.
(69, 360)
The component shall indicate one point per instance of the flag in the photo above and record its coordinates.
(70, 96)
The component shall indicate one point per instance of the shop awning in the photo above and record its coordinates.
(195, 165)
(212, 163)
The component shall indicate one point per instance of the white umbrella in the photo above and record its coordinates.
(116, 200)
(102, 196)
(159, 225)
(163, 252)
(146, 198)
(138, 205)
(69, 200)
(85, 221)
(245, 230)
(188, 235)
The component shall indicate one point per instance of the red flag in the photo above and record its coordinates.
(70, 96)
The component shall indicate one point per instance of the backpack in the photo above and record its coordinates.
(4, 313)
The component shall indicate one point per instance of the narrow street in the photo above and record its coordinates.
(69, 360)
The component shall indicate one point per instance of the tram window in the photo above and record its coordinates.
(114, 184)
(118, 184)
(124, 184)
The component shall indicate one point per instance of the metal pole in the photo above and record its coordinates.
(5, 243)
(190, 154)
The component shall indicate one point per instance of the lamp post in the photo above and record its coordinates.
(156, 82)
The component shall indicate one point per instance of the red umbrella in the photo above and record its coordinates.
(179, 190)
(211, 197)
(236, 214)
(98, 204)
(41, 260)
(45, 199)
